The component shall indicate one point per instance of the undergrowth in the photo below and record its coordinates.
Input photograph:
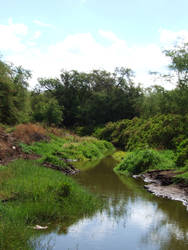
(140, 161)
(59, 149)
(160, 131)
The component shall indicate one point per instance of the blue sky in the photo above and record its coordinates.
(47, 36)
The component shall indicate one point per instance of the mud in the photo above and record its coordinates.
(161, 184)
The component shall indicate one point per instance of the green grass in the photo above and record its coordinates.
(140, 161)
(38, 195)
(182, 175)
(182, 178)
(71, 147)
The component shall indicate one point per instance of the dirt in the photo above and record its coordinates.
(160, 183)
(10, 151)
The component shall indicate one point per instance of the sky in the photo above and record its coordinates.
(49, 36)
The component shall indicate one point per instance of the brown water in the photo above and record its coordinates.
(133, 219)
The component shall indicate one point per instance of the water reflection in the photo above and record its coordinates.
(131, 219)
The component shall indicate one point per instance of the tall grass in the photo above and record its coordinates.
(69, 147)
(36, 195)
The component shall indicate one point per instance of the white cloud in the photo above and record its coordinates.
(169, 37)
(42, 24)
(82, 52)
(108, 35)
(12, 36)
(37, 34)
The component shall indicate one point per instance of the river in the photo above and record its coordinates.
(132, 219)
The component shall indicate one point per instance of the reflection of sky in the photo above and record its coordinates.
(132, 219)
(144, 226)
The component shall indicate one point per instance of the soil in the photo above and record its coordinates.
(10, 150)
(160, 183)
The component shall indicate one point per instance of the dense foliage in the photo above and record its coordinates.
(14, 96)
(135, 118)
(139, 161)
(90, 99)
(160, 131)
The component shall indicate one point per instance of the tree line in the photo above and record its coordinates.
(91, 99)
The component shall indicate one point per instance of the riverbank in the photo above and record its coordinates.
(51, 147)
(34, 195)
(162, 184)
(158, 170)
(34, 188)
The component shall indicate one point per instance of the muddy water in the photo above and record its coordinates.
(133, 218)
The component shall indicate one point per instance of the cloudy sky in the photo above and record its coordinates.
(47, 36)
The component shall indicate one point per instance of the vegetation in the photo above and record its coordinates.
(119, 155)
(160, 131)
(37, 195)
(150, 123)
(182, 153)
(143, 160)
(58, 151)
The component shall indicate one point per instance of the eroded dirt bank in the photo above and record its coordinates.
(160, 183)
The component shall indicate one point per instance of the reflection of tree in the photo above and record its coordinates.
(163, 223)
(169, 226)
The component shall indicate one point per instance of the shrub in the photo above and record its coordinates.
(160, 131)
(142, 160)
(182, 153)
(119, 156)
(29, 133)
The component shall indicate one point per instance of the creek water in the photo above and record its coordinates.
(132, 219)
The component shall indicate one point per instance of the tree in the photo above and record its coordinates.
(179, 62)
(94, 98)
(14, 96)
(46, 109)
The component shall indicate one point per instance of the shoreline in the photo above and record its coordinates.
(160, 183)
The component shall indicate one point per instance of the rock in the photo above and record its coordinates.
(38, 227)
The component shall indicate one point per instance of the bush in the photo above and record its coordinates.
(29, 133)
(182, 153)
(141, 160)
(160, 131)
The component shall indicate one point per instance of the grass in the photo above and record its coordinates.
(68, 147)
(140, 161)
(182, 175)
(37, 195)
